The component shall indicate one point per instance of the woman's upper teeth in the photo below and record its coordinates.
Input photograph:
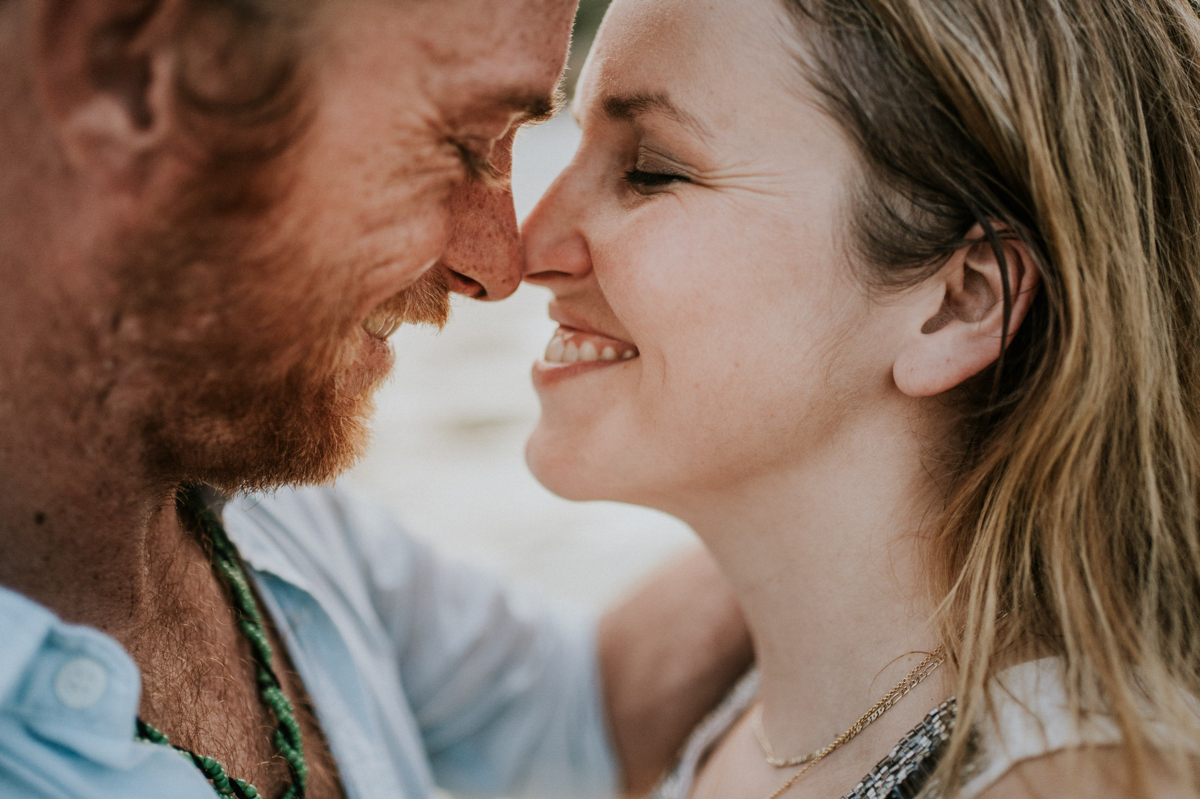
(569, 346)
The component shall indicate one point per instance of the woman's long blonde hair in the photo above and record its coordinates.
(1073, 526)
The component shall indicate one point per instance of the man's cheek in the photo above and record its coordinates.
(411, 238)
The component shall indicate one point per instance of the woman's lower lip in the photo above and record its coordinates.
(548, 374)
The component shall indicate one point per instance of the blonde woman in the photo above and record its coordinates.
(895, 303)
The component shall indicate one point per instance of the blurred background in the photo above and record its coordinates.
(447, 455)
(587, 20)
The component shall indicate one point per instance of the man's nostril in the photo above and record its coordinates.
(461, 284)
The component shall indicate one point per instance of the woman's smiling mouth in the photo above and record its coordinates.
(575, 346)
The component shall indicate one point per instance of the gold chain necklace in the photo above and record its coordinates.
(910, 681)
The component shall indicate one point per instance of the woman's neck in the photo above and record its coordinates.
(826, 560)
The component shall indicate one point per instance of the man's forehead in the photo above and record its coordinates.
(462, 60)
(515, 74)
(499, 31)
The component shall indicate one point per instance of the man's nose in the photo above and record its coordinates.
(483, 255)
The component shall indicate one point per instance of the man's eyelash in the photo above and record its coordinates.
(479, 167)
(643, 179)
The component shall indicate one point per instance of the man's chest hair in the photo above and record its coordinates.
(199, 686)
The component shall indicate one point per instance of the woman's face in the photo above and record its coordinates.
(694, 248)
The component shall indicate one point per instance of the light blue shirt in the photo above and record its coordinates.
(420, 671)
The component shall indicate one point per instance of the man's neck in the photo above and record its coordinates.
(82, 532)
(90, 563)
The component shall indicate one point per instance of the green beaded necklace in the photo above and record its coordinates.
(250, 621)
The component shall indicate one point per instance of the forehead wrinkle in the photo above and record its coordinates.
(629, 107)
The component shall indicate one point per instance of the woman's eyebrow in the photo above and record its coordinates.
(628, 107)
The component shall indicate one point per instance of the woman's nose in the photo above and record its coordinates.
(556, 250)
(483, 254)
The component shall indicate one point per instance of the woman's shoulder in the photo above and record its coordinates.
(1032, 745)
(1097, 773)
(1030, 718)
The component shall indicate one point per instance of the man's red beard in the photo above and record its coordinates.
(254, 355)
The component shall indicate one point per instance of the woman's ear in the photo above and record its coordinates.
(103, 71)
(961, 328)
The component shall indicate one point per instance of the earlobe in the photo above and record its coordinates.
(104, 81)
(106, 133)
(971, 323)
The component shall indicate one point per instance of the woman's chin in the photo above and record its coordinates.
(562, 467)
(554, 470)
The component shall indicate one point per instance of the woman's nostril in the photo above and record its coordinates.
(547, 276)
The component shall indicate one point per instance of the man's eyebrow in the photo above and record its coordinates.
(531, 107)
(628, 107)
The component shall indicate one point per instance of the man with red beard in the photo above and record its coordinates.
(212, 213)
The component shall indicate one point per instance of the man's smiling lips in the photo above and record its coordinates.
(382, 322)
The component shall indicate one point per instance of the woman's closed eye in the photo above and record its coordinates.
(653, 169)
(642, 179)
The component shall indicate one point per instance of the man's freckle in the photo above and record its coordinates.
(39, 518)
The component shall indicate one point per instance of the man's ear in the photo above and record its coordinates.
(959, 332)
(103, 71)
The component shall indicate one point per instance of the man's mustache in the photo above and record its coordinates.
(426, 302)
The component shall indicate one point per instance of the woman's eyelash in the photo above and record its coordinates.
(644, 179)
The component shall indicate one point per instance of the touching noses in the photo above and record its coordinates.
(482, 258)
(556, 252)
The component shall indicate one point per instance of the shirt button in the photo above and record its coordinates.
(80, 683)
